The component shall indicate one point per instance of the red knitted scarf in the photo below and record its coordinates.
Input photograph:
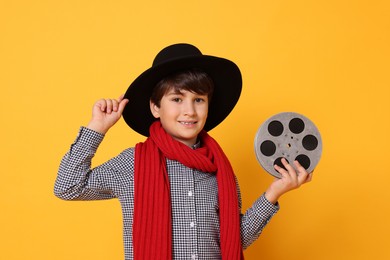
(152, 225)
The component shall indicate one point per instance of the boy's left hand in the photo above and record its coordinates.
(291, 179)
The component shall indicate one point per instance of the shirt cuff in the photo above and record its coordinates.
(89, 137)
(266, 206)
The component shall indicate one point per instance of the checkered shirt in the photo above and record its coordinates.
(194, 198)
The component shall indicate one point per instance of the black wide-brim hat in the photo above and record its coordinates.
(175, 58)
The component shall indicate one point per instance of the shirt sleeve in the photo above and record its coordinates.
(255, 218)
(77, 181)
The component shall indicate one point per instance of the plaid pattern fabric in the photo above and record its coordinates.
(194, 197)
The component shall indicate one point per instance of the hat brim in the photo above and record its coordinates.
(227, 89)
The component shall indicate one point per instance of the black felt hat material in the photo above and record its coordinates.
(175, 58)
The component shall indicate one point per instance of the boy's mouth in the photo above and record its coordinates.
(187, 123)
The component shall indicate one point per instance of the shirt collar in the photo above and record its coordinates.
(196, 145)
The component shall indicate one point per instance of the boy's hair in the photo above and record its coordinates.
(193, 80)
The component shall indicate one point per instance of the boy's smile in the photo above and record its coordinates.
(182, 114)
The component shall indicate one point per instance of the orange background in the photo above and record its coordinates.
(328, 60)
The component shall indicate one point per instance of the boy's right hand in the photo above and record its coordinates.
(105, 113)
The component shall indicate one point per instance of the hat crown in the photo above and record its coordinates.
(176, 51)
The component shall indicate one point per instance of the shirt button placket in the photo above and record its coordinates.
(192, 224)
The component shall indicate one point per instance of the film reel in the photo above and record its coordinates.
(289, 135)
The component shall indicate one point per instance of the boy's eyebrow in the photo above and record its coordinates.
(180, 93)
(175, 93)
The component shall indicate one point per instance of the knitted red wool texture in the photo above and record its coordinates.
(152, 224)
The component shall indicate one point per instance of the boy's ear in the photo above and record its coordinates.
(154, 109)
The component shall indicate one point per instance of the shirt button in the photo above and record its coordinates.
(192, 224)
(193, 256)
(190, 193)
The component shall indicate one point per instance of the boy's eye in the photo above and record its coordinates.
(198, 100)
(176, 99)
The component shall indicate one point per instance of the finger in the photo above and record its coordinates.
(309, 177)
(282, 171)
(122, 105)
(115, 104)
(109, 106)
(101, 104)
(291, 171)
(302, 173)
(121, 98)
(287, 165)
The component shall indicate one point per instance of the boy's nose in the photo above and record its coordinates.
(189, 109)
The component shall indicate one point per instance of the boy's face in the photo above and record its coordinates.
(182, 114)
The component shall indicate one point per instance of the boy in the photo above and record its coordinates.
(179, 195)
